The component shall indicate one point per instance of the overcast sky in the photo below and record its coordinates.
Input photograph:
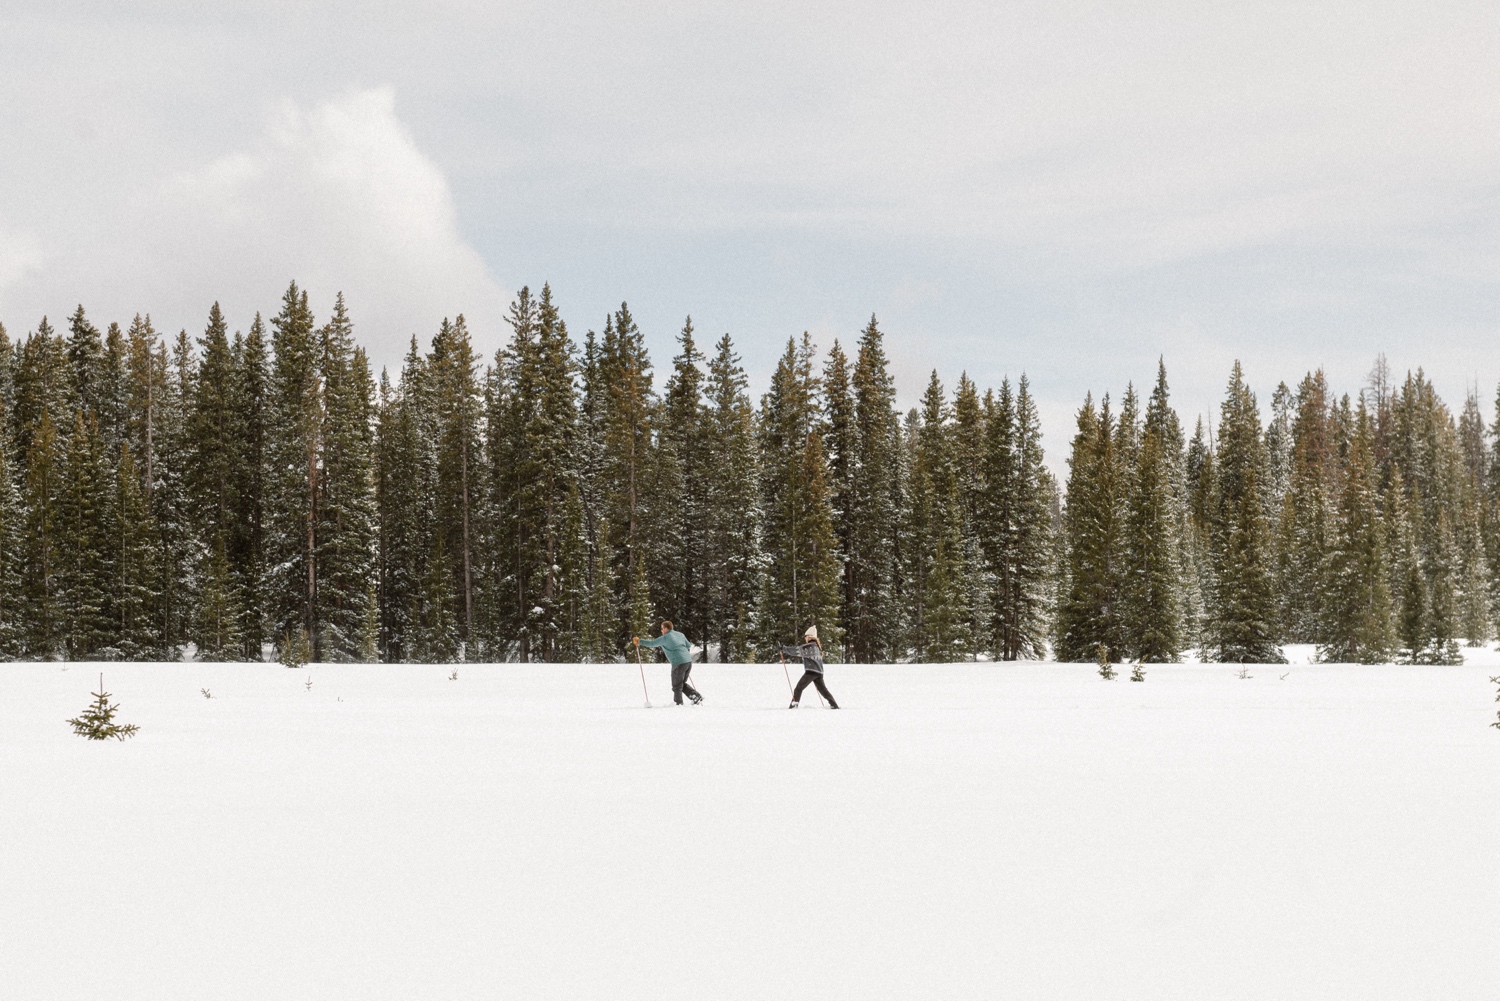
(1068, 190)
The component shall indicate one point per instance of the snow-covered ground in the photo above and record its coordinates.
(962, 831)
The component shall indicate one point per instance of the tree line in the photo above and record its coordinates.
(266, 494)
(1367, 526)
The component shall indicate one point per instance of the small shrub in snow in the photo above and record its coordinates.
(1496, 681)
(454, 675)
(308, 686)
(1136, 674)
(206, 693)
(1106, 669)
(296, 649)
(97, 721)
(1244, 674)
(1286, 675)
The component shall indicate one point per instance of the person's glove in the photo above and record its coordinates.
(636, 640)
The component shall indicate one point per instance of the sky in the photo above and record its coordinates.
(1071, 191)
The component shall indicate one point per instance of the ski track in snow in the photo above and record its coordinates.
(957, 831)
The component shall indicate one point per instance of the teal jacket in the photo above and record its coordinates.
(674, 645)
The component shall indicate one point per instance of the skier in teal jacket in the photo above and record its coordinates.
(680, 655)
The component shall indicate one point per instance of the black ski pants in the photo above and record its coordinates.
(816, 679)
(680, 686)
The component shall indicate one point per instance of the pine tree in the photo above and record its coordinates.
(1242, 616)
(1304, 518)
(1151, 595)
(734, 507)
(1354, 595)
(967, 454)
(97, 722)
(216, 455)
(937, 568)
(135, 572)
(1017, 524)
(457, 408)
(840, 445)
(629, 453)
(84, 566)
(406, 486)
(293, 443)
(345, 534)
(874, 506)
(247, 545)
(40, 396)
(1089, 610)
(802, 581)
(682, 485)
(12, 525)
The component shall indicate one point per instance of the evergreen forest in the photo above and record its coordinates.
(265, 494)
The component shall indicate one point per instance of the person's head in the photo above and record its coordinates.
(811, 636)
(666, 626)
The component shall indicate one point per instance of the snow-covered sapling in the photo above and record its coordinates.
(206, 693)
(97, 721)
(1106, 669)
(1136, 674)
(1496, 682)
(1244, 674)
(308, 686)
(454, 675)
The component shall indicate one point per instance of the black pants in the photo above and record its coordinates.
(816, 679)
(680, 686)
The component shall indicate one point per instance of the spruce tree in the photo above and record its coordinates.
(216, 454)
(83, 556)
(1151, 596)
(1017, 533)
(682, 484)
(293, 441)
(1355, 597)
(874, 504)
(346, 529)
(1242, 616)
(247, 545)
(1089, 611)
(1304, 517)
(734, 505)
(937, 567)
(12, 525)
(629, 444)
(802, 583)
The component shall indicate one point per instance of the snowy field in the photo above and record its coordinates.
(963, 831)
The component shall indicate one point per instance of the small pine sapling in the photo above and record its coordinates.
(1496, 681)
(1106, 669)
(1136, 674)
(295, 649)
(308, 686)
(1244, 674)
(206, 693)
(453, 676)
(97, 721)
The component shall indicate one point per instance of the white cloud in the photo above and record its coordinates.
(336, 196)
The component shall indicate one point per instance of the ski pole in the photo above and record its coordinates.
(643, 672)
(788, 676)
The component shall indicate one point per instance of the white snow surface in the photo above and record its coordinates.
(956, 831)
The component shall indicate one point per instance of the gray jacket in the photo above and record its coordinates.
(811, 654)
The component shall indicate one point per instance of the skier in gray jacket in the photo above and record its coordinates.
(811, 652)
(680, 654)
